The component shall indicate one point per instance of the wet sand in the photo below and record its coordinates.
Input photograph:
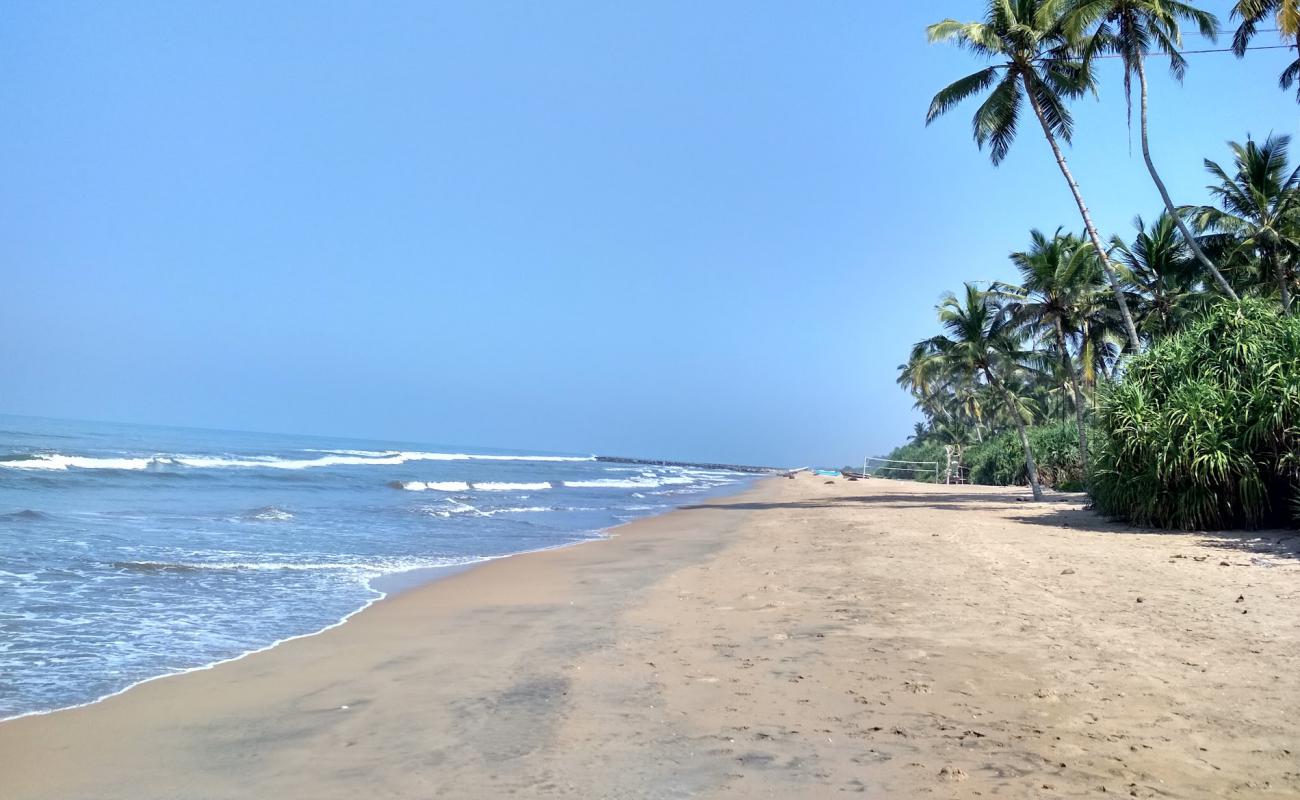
(798, 639)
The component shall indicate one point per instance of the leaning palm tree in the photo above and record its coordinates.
(1159, 265)
(1286, 13)
(1056, 272)
(1131, 29)
(1260, 210)
(1036, 60)
(982, 343)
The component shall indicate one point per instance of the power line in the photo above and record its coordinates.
(1157, 55)
(1231, 33)
(1212, 50)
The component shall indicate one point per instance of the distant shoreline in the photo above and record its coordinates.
(649, 462)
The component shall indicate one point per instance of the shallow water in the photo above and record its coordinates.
(128, 552)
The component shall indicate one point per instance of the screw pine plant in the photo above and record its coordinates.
(1203, 430)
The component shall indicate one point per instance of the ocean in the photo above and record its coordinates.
(128, 552)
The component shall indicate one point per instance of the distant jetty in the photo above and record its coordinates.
(650, 462)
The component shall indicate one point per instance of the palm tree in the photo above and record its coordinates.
(1160, 266)
(1131, 29)
(1287, 14)
(1260, 209)
(1102, 338)
(1037, 60)
(982, 343)
(950, 400)
(920, 432)
(1055, 273)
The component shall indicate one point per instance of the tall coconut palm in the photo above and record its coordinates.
(1036, 59)
(1286, 13)
(982, 343)
(1131, 29)
(1103, 338)
(1159, 264)
(1260, 209)
(948, 398)
(1056, 272)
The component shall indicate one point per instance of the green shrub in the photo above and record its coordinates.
(1000, 461)
(1203, 430)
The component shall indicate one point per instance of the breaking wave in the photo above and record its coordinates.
(269, 514)
(510, 487)
(618, 483)
(431, 486)
(362, 568)
(61, 462)
(452, 508)
(462, 486)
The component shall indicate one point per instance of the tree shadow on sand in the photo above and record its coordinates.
(1068, 511)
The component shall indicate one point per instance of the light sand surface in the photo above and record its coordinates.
(801, 639)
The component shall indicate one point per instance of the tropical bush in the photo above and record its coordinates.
(1012, 356)
(1000, 461)
(1203, 430)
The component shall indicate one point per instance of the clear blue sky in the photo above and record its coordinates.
(679, 229)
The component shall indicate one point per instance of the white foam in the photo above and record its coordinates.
(527, 510)
(510, 487)
(376, 596)
(369, 453)
(483, 457)
(614, 483)
(256, 566)
(452, 508)
(62, 462)
(59, 461)
(273, 514)
(434, 486)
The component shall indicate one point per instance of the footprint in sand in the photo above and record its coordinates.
(952, 774)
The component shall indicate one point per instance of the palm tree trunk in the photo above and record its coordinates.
(1031, 466)
(1135, 343)
(1074, 382)
(1164, 193)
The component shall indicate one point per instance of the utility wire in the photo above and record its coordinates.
(1157, 55)
(1232, 33)
(1212, 50)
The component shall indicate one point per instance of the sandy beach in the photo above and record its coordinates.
(803, 638)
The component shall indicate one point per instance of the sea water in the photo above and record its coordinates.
(129, 552)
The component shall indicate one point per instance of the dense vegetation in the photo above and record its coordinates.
(1204, 430)
(999, 460)
(1097, 367)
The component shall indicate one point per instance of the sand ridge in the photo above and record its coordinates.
(802, 638)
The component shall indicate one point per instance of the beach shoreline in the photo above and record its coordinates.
(799, 637)
(385, 586)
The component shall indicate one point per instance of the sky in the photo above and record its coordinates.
(668, 229)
